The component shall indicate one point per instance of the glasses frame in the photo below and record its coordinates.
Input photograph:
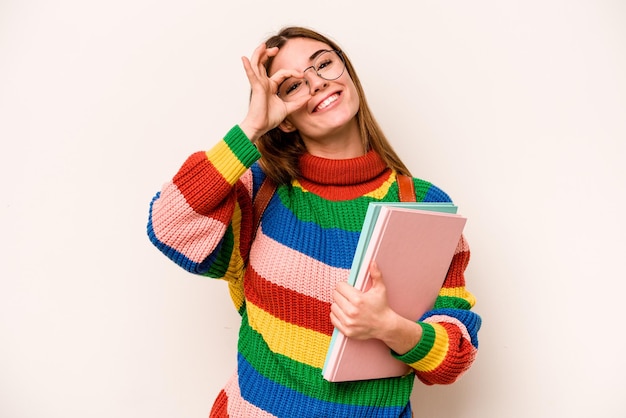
(343, 70)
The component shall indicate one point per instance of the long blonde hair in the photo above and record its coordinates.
(281, 151)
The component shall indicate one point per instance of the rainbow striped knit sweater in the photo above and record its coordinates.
(282, 281)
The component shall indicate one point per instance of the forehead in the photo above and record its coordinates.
(296, 54)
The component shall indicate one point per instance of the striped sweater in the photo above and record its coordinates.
(281, 282)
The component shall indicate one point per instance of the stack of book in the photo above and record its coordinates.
(413, 244)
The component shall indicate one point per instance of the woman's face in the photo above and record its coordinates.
(332, 104)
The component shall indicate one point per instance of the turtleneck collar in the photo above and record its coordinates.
(343, 179)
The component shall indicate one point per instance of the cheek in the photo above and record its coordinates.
(353, 102)
(354, 95)
(295, 118)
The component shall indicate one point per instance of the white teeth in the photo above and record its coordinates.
(327, 102)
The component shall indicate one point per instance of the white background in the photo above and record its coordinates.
(516, 108)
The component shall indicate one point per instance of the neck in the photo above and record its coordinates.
(340, 144)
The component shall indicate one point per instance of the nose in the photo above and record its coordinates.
(314, 81)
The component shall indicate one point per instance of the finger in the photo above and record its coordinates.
(297, 104)
(343, 306)
(281, 75)
(284, 73)
(247, 66)
(375, 274)
(253, 78)
(271, 52)
(339, 316)
(344, 323)
(345, 291)
(334, 319)
(258, 57)
(258, 53)
(339, 297)
(266, 54)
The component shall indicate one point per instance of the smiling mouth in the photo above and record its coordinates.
(327, 102)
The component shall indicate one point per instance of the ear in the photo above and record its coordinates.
(286, 126)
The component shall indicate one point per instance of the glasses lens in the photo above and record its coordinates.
(291, 88)
(328, 65)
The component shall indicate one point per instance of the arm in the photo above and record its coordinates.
(440, 347)
(202, 218)
(449, 340)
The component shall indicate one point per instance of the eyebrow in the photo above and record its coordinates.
(316, 53)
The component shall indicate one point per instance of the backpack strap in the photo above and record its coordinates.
(406, 189)
(261, 200)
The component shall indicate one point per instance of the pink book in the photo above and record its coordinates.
(413, 249)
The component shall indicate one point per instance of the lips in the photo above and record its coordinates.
(327, 102)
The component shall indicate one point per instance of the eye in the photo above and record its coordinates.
(324, 64)
(289, 86)
(293, 86)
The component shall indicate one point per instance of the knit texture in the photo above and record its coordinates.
(282, 282)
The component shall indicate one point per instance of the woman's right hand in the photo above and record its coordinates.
(266, 110)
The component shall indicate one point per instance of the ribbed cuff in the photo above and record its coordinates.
(422, 348)
(241, 146)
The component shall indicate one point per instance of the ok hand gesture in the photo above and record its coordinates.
(266, 109)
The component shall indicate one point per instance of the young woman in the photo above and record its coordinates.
(310, 133)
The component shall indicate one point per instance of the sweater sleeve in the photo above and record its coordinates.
(202, 218)
(449, 342)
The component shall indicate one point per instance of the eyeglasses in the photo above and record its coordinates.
(329, 65)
